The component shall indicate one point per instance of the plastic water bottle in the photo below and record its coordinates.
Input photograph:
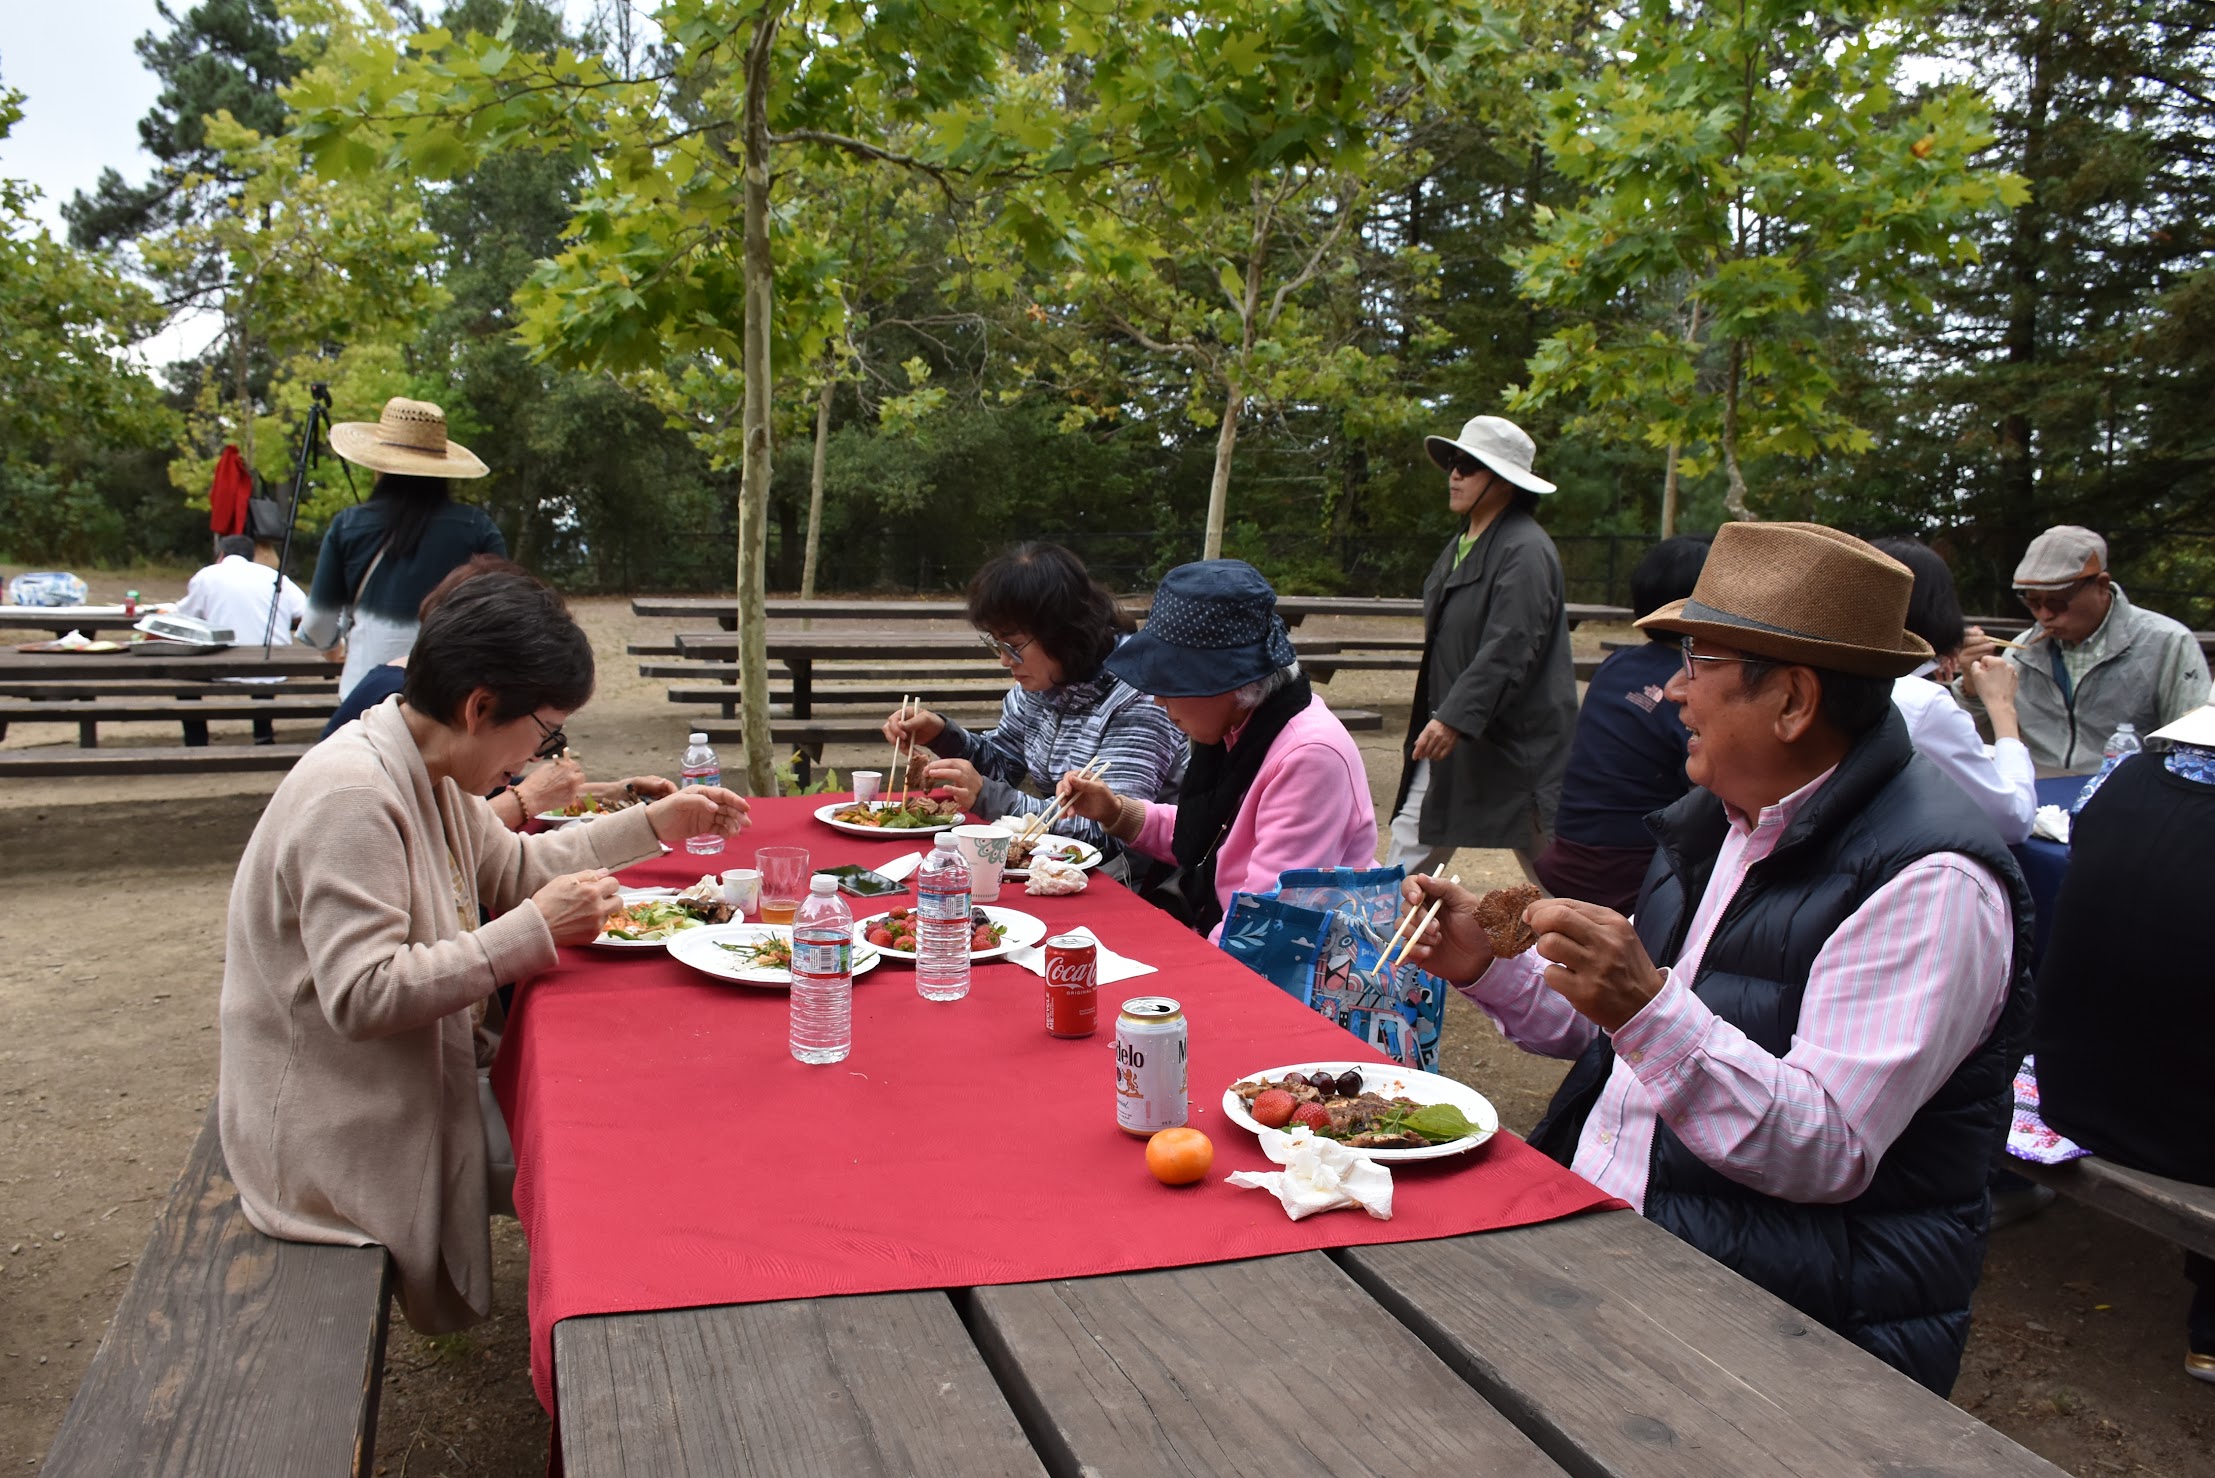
(2124, 741)
(822, 975)
(942, 931)
(701, 767)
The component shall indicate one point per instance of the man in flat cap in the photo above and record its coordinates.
(2095, 660)
(1799, 1057)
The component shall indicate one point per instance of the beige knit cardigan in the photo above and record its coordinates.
(349, 1079)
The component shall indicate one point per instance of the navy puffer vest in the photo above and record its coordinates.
(1892, 1269)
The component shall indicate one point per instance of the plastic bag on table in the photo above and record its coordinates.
(1320, 936)
(47, 588)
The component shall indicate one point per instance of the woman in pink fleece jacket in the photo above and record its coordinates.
(1274, 782)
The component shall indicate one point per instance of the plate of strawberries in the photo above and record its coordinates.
(993, 932)
(1379, 1110)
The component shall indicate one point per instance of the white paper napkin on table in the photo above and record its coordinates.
(1112, 966)
(1318, 1175)
(2052, 823)
(899, 867)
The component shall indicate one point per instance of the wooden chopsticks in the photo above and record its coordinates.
(902, 769)
(1393, 942)
(1428, 914)
(1040, 824)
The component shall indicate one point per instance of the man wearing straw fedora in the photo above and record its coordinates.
(1798, 1054)
(382, 557)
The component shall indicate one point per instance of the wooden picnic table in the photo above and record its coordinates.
(61, 620)
(165, 660)
(1593, 1344)
(723, 610)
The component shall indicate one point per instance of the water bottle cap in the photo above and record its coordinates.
(2126, 728)
(700, 739)
(821, 884)
(945, 842)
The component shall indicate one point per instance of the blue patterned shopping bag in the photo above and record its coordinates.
(1319, 937)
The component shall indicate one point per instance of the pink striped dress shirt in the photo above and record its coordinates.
(1896, 1000)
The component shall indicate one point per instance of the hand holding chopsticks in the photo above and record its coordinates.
(1042, 823)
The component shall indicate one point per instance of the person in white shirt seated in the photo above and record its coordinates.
(234, 594)
(2001, 779)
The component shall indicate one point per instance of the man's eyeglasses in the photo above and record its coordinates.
(2057, 601)
(1691, 657)
(554, 742)
(999, 648)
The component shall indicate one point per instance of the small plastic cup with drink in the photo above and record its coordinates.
(784, 882)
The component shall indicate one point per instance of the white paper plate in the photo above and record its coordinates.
(702, 950)
(1089, 858)
(1393, 1082)
(1023, 931)
(881, 833)
(641, 895)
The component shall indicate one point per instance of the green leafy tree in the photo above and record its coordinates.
(1748, 172)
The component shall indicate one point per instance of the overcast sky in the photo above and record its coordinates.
(86, 91)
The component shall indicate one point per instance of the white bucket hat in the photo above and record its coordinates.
(2196, 728)
(1499, 444)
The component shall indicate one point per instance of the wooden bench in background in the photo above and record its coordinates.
(213, 759)
(2173, 1210)
(232, 1353)
(220, 705)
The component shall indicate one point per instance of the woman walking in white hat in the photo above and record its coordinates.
(1496, 697)
(380, 558)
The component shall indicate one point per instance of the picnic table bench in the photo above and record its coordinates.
(232, 1353)
(2173, 1210)
(160, 682)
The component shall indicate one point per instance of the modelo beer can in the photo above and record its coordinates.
(1149, 1066)
(1072, 970)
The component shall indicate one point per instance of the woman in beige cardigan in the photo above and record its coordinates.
(355, 957)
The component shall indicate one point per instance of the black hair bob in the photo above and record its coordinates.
(1667, 572)
(1044, 592)
(505, 632)
(1934, 609)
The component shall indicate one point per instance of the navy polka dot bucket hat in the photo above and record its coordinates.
(1214, 627)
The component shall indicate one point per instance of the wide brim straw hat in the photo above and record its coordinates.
(1499, 444)
(2196, 728)
(1213, 627)
(410, 438)
(1801, 593)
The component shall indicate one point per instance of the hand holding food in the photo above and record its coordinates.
(1976, 644)
(575, 904)
(957, 778)
(697, 810)
(1088, 798)
(1500, 914)
(640, 787)
(1991, 680)
(551, 786)
(1454, 945)
(1599, 964)
(915, 726)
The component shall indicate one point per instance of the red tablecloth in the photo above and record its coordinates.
(670, 1152)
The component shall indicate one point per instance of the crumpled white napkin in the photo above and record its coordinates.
(899, 867)
(1051, 879)
(1319, 1175)
(2052, 823)
(1111, 966)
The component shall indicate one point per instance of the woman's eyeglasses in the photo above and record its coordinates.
(1464, 465)
(1691, 657)
(554, 742)
(2037, 602)
(999, 648)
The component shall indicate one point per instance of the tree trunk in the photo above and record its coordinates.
(753, 494)
(1735, 499)
(1669, 494)
(815, 481)
(1219, 486)
(241, 390)
(2018, 470)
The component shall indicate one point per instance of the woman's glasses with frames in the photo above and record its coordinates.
(999, 648)
(554, 742)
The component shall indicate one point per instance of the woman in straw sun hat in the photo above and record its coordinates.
(382, 557)
(1496, 696)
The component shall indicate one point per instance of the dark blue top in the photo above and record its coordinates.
(1627, 758)
(456, 531)
(376, 685)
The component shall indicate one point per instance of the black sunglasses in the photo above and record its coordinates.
(1465, 465)
(554, 742)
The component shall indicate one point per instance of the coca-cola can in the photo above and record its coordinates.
(1150, 1066)
(1072, 979)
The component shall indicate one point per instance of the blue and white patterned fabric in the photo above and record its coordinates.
(1320, 938)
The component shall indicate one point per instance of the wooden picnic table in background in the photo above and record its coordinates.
(165, 660)
(61, 620)
(723, 610)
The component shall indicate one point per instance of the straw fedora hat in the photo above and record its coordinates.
(1499, 444)
(410, 437)
(1801, 593)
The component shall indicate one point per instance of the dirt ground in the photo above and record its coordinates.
(108, 1058)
